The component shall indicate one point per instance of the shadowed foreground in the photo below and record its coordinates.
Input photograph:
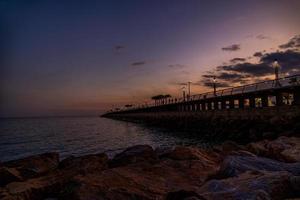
(261, 170)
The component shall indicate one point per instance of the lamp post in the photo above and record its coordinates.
(189, 89)
(276, 72)
(183, 93)
(215, 87)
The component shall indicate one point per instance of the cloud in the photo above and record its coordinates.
(138, 63)
(258, 54)
(289, 60)
(118, 49)
(218, 84)
(292, 43)
(177, 66)
(259, 69)
(235, 60)
(233, 47)
(262, 37)
(231, 76)
(243, 72)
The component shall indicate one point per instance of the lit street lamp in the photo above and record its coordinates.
(215, 87)
(183, 92)
(189, 89)
(276, 72)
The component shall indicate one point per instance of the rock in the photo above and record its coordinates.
(236, 165)
(249, 185)
(183, 195)
(134, 154)
(269, 135)
(162, 151)
(144, 180)
(37, 188)
(85, 164)
(56, 180)
(295, 183)
(29, 167)
(285, 149)
(227, 147)
(8, 175)
(191, 153)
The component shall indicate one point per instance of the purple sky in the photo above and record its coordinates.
(82, 57)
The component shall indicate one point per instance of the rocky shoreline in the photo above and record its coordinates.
(268, 169)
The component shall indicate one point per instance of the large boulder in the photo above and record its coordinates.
(134, 154)
(36, 188)
(285, 149)
(235, 165)
(51, 184)
(8, 175)
(227, 147)
(85, 164)
(249, 185)
(144, 180)
(28, 167)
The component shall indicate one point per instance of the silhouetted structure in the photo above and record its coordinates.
(272, 93)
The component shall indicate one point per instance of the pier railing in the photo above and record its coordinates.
(285, 82)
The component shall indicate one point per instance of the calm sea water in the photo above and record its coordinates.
(79, 136)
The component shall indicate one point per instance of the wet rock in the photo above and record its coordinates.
(134, 154)
(236, 165)
(162, 151)
(192, 153)
(8, 175)
(85, 164)
(295, 183)
(183, 195)
(249, 185)
(228, 147)
(144, 180)
(285, 149)
(56, 180)
(29, 167)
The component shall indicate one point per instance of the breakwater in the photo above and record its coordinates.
(242, 125)
(249, 112)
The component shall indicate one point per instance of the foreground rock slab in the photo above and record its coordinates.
(285, 149)
(23, 169)
(148, 180)
(236, 165)
(250, 185)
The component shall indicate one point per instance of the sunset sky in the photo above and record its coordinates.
(82, 57)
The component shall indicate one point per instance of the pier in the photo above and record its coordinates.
(246, 113)
(272, 93)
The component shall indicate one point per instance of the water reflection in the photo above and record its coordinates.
(79, 136)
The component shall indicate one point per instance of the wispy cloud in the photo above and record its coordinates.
(236, 60)
(258, 54)
(138, 63)
(292, 43)
(262, 37)
(233, 47)
(177, 66)
(118, 49)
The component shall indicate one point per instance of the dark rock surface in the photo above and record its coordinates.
(236, 165)
(29, 167)
(138, 153)
(228, 171)
(250, 185)
(285, 149)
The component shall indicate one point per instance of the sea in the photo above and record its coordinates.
(21, 137)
